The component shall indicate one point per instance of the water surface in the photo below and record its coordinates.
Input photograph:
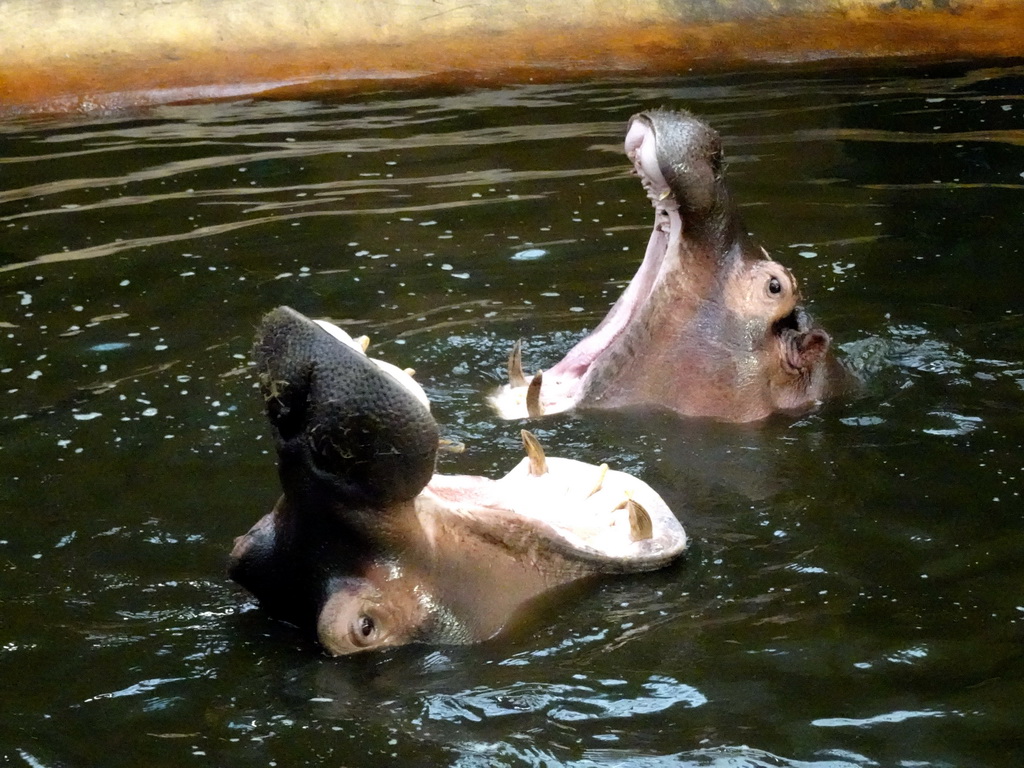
(855, 592)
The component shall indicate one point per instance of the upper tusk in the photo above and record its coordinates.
(601, 472)
(516, 377)
(535, 452)
(640, 526)
(364, 342)
(533, 407)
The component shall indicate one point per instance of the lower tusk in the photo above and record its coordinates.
(601, 472)
(535, 452)
(516, 377)
(533, 407)
(450, 446)
(364, 342)
(640, 526)
(410, 371)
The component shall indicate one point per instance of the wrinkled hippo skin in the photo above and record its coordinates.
(709, 326)
(368, 547)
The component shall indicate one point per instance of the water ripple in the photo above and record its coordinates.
(607, 700)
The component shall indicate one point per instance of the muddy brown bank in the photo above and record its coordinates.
(94, 54)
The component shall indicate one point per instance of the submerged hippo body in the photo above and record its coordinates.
(708, 326)
(370, 548)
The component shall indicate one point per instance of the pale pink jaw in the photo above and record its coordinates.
(563, 382)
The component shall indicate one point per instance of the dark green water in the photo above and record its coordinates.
(855, 592)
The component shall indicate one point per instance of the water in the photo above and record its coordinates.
(855, 592)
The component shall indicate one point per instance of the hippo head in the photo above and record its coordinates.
(368, 547)
(709, 325)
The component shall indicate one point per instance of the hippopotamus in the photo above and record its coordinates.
(709, 326)
(369, 547)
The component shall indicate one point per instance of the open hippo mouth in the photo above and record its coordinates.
(369, 547)
(708, 326)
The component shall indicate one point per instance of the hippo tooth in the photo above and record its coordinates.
(601, 472)
(451, 446)
(364, 342)
(640, 526)
(533, 407)
(409, 371)
(534, 450)
(516, 377)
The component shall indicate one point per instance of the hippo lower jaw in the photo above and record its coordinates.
(560, 388)
(372, 548)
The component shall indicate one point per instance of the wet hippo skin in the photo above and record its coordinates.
(709, 325)
(368, 547)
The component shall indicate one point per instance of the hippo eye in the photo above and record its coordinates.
(774, 286)
(366, 626)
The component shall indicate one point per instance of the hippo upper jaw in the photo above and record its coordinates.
(474, 551)
(457, 563)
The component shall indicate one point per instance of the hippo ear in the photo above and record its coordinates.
(344, 428)
(805, 349)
